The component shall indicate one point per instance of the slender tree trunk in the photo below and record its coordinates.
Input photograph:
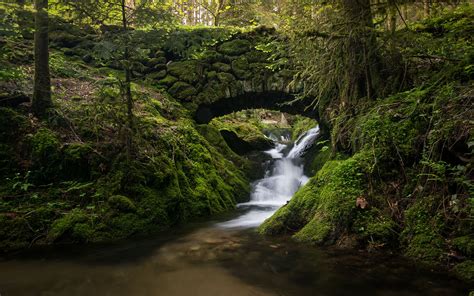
(393, 19)
(217, 15)
(42, 80)
(361, 58)
(427, 7)
(127, 87)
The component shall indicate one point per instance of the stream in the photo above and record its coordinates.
(223, 257)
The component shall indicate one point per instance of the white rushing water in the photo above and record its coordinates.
(284, 177)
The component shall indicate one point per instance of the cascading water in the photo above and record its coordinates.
(284, 177)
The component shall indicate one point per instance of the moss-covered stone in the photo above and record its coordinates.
(225, 78)
(235, 47)
(168, 81)
(182, 91)
(321, 210)
(66, 226)
(156, 61)
(212, 92)
(465, 270)
(240, 67)
(121, 203)
(159, 75)
(221, 67)
(465, 244)
(187, 71)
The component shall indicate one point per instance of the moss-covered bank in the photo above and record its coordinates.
(397, 172)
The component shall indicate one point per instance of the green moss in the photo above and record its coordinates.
(211, 92)
(168, 80)
(256, 56)
(373, 226)
(422, 234)
(14, 232)
(320, 158)
(65, 226)
(45, 153)
(465, 270)
(248, 132)
(465, 244)
(182, 91)
(240, 67)
(188, 71)
(301, 125)
(221, 67)
(235, 47)
(122, 203)
(44, 144)
(160, 75)
(324, 207)
(225, 78)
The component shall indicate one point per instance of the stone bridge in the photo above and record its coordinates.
(228, 77)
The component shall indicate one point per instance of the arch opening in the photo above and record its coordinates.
(271, 100)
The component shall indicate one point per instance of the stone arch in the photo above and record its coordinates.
(272, 100)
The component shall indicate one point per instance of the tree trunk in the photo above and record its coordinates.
(361, 60)
(427, 6)
(127, 87)
(42, 80)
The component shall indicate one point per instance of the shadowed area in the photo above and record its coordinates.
(271, 100)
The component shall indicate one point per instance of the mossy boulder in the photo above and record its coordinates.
(156, 61)
(169, 80)
(221, 67)
(323, 209)
(225, 78)
(240, 67)
(158, 76)
(212, 56)
(72, 226)
(465, 271)
(235, 47)
(465, 244)
(187, 71)
(122, 203)
(183, 91)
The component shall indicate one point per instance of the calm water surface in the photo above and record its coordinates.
(210, 260)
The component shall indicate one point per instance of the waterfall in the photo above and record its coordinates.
(283, 178)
